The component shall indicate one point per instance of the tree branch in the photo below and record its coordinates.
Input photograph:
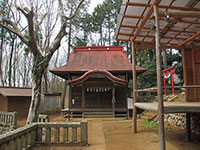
(62, 32)
(77, 9)
(24, 11)
(14, 29)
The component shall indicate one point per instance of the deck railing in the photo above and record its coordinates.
(8, 118)
(72, 133)
(45, 134)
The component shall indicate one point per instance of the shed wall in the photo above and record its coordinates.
(191, 65)
(20, 105)
(3, 103)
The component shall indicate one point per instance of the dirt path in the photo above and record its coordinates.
(96, 136)
(116, 134)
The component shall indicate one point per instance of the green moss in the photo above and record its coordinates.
(150, 124)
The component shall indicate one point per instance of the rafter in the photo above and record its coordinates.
(146, 17)
(151, 36)
(190, 38)
(179, 14)
(186, 8)
(162, 29)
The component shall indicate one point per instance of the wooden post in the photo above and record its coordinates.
(84, 132)
(69, 105)
(194, 72)
(113, 100)
(83, 100)
(188, 127)
(159, 82)
(134, 129)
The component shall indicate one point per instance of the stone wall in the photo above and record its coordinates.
(179, 119)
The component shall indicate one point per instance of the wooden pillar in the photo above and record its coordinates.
(159, 82)
(83, 100)
(69, 102)
(194, 72)
(113, 101)
(134, 126)
(188, 127)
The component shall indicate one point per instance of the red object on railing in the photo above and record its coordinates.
(167, 73)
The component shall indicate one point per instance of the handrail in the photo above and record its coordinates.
(8, 118)
(73, 133)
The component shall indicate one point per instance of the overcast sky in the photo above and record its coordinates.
(93, 4)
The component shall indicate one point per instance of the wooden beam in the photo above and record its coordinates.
(162, 29)
(151, 36)
(185, 8)
(146, 17)
(134, 88)
(116, 37)
(190, 38)
(186, 86)
(179, 14)
(159, 82)
(133, 16)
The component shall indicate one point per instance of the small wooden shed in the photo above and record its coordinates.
(15, 99)
(98, 78)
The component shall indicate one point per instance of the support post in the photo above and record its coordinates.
(159, 82)
(188, 127)
(69, 102)
(113, 101)
(83, 100)
(134, 89)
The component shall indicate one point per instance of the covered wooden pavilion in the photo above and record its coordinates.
(165, 24)
(98, 79)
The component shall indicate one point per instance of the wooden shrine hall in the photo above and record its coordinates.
(164, 24)
(98, 81)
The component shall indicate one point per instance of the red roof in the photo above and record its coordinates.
(106, 73)
(110, 58)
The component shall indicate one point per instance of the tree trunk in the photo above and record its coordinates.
(1, 54)
(10, 63)
(37, 73)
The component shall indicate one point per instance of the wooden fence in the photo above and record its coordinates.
(8, 119)
(45, 134)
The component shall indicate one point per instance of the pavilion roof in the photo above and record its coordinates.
(179, 22)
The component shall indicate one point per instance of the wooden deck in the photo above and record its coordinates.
(172, 107)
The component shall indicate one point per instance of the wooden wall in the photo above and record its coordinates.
(191, 67)
(20, 105)
(3, 103)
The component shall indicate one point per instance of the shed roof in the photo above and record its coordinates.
(179, 22)
(110, 58)
(15, 91)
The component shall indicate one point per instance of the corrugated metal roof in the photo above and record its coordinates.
(177, 28)
(110, 58)
(15, 91)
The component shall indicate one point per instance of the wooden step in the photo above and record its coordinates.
(98, 116)
(98, 113)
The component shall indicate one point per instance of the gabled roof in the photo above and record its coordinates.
(15, 91)
(110, 58)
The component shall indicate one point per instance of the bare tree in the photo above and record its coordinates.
(41, 52)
